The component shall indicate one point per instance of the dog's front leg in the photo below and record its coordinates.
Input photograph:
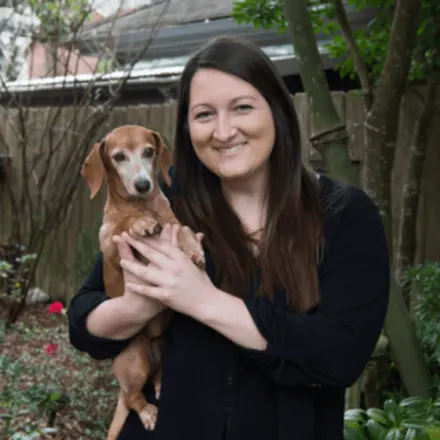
(188, 241)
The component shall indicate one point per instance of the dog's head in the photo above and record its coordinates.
(129, 157)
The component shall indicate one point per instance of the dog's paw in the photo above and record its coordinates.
(191, 245)
(146, 227)
(148, 417)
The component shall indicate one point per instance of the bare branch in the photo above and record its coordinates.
(47, 178)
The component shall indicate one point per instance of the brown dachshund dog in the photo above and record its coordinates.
(128, 157)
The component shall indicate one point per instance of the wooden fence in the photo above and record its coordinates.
(71, 248)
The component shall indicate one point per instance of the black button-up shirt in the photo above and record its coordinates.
(213, 389)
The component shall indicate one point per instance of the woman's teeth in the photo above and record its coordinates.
(232, 149)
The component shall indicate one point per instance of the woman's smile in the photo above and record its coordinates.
(231, 150)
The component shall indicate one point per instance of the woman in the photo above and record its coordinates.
(264, 344)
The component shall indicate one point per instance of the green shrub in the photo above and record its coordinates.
(410, 419)
(425, 283)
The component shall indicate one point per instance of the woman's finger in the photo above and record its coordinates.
(175, 235)
(155, 256)
(148, 273)
(123, 248)
(146, 290)
(166, 233)
(170, 233)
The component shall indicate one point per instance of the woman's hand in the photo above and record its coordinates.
(134, 300)
(170, 277)
(174, 280)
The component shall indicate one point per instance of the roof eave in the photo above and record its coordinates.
(185, 39)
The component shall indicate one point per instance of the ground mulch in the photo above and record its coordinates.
(88, 384)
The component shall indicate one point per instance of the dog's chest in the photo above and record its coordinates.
(105, 239)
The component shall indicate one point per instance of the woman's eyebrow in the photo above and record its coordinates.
(237, 98)
(244, 97)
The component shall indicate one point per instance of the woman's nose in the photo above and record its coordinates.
(224, 129)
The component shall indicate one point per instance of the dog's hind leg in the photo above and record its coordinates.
(119, 418)
(147, 412)
(132, 368)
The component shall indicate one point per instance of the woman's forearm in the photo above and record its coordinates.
(122, 317)
(229, 316)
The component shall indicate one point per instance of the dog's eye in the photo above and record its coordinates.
(119, 157)
(148, 152)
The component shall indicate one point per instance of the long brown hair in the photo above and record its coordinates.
(294, 230)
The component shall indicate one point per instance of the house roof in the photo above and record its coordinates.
(184, 26)
(169, 12)
(169, 24)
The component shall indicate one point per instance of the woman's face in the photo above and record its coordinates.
(231, 125)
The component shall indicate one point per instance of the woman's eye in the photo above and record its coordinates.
(203, 115)
(244, 108)
(148, 152)
(119, 157)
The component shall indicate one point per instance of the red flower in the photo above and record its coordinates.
(51, 348)
(56, 307)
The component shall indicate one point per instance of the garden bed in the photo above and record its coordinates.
(41, 374)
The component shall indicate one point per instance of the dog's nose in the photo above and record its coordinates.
(142, 186)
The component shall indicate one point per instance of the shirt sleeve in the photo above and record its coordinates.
(89, 296)
(332, 345)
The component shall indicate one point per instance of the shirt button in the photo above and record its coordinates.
(230, 380)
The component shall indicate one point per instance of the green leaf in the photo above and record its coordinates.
(392, 410)
(409, 401)
(415, 423)
(352, 433)
(379, 416)
(376, 430)
(354, 415)
(411, 434)
(394, 434)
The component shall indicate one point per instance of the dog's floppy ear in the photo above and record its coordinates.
(93, 169)
(164, 157)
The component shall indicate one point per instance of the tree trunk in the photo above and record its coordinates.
(399, 329)
(405, 346)
(406, 240)
(380, 139)
(382, 120)
(330, 138)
